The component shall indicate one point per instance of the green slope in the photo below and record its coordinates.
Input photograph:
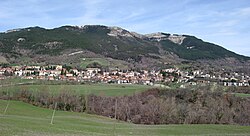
(39, 41)
(193, 48)
(26, 120)
(92, 38)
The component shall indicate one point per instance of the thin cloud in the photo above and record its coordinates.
(211, 20)
(244, 12)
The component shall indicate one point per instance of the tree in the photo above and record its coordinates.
(62, 72)
(94, 65)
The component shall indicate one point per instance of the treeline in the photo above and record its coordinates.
(180, 106)
(234, 89)
(175, 107)
(66, 100)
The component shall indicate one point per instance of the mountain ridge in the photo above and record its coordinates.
(110, 42)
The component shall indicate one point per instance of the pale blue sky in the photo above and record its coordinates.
(224, 22)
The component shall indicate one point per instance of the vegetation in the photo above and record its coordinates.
(89, 62)
(193, 48)
(239, 91)
(26, 120)
(9, 81)
(179, 106)
(97, 89)
(32, 43)
(242, 95)
(92, 38)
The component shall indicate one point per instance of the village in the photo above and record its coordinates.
(145, 77)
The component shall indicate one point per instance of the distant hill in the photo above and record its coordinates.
(69, 44)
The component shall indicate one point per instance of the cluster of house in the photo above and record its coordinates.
(59, 72)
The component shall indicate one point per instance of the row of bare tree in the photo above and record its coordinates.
(239, 89)
(180, 106)
(66, 100)
(175, 107)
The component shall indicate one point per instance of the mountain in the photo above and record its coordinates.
(69, 44)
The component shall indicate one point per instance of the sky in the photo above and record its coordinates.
(223, 22)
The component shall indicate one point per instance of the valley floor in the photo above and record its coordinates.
(21, 119)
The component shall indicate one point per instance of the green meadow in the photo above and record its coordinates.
(23, 119)
(86, 61)
(97, 89)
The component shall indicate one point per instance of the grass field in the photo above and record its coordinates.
(98, 89)
(9, 81)
(242, 95)
(112, 63)
(87, 61)
(23, 119)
